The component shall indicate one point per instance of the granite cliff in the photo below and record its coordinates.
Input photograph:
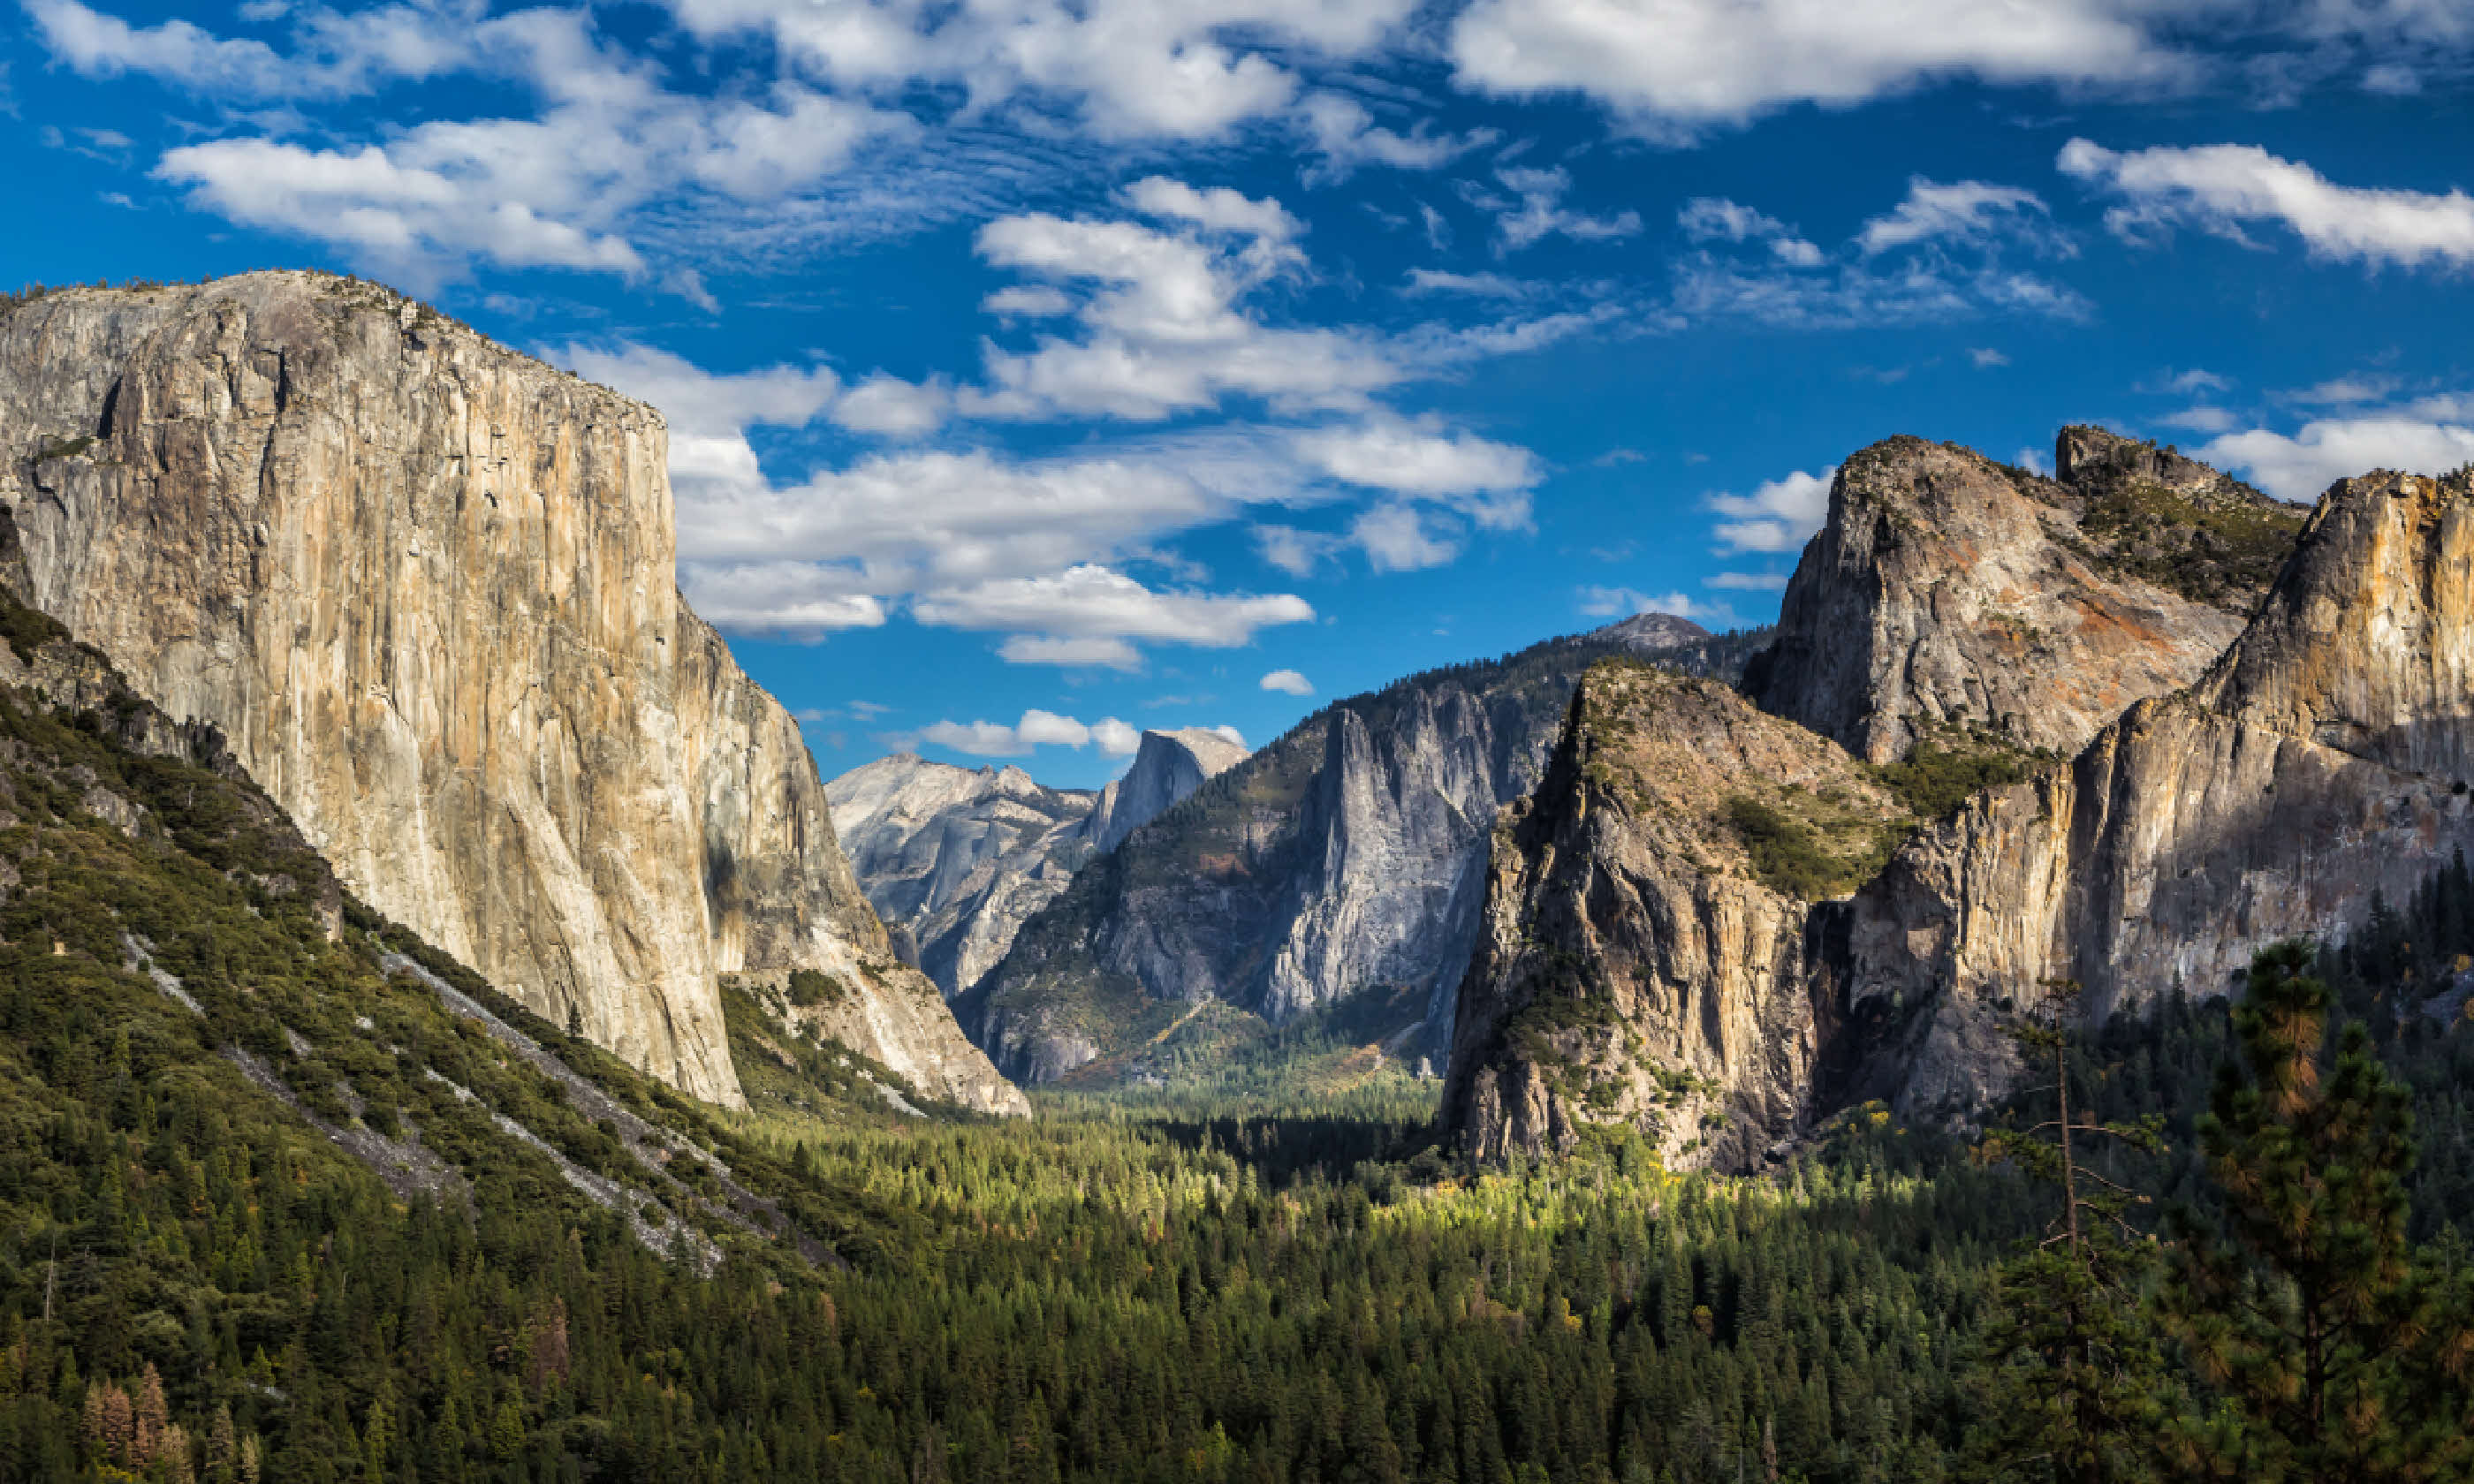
(424, 587)
(1711, 924)
(1346, 859)
(2324, 757)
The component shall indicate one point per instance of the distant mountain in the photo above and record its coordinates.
(959, 858)
(1168, 766)
(1344, 860)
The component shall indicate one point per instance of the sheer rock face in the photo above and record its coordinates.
(424, 585)
(1168, 766)
(1633, 966)
(2322, 758)
(959, 857)
(1949, 594)
(1347, 856)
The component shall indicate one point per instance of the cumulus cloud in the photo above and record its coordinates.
(1162, 326)
(2224, 188)
(1288, 683)
(1086, 614)
(1035, 729)
(2302, 465)
(1487, 481)
(1127, 68)
(1397, 537)
(1676, 66)
(1780, 515)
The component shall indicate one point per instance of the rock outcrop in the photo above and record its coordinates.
(1167, 767)
(1950, 596)
(959, 857)
(424, 585)
(2324, 757)
(1345, 858)
(1695, 918)
(1642, 960)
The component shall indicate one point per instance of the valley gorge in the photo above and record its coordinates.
(1343, 860)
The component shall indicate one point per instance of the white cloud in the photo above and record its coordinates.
(2222, 189)
(1747, 582)
(1481, 285)
(1130, 68)
(1035, 729)
(1936, 255)
(1487, 481)
(1346, 138)
(789, 598)
(1674, 66)
(1624, 603)
(2195, 382)
(1162, 331)
(2344, 390)
(1288, 683)
(1974, 212)
(1400, 537)
(2202, 418)
(1986, 358)
(564, 188)
(2302, 465)
(1293, 551)
(1539, 213)
(1075, 616)
(893, 407)
(1716, 219)
(1227, 733)
(1780, 515)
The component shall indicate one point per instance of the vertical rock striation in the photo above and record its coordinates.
(425, 586)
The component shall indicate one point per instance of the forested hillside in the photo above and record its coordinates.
(284, 1196)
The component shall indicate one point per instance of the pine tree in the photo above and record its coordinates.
(2073, 1370)
(2305, 1311)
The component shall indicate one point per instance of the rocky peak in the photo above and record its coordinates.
(1646, 631)
(957, 857)
(1642, 955)
(1168, 766)
(1952, 600)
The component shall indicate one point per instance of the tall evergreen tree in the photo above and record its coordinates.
(2333, 1356)
(2074, 1370)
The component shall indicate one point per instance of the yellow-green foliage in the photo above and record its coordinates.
(1809, 847)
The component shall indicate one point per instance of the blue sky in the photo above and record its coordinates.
(1038, 371)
